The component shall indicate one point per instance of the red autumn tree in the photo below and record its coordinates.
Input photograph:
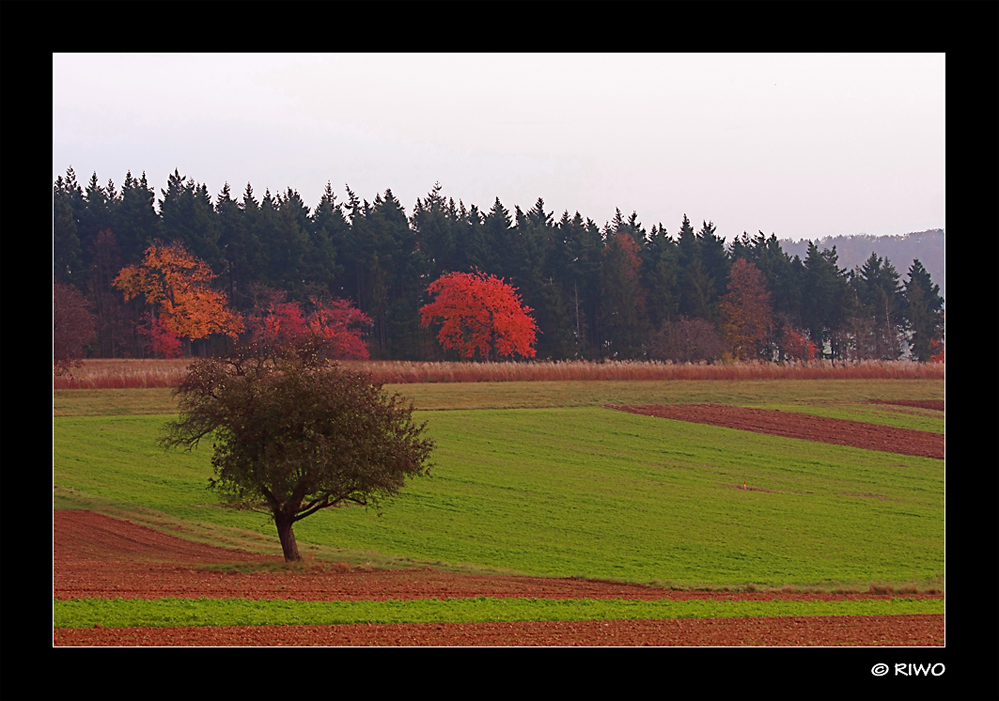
(796, 346)
(480, 314)
(336, 324)
(178, 288)
(277, 324)
(162, 342)
(746, 312)
(340, 324)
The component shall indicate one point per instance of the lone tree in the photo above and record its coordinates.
(294, 434)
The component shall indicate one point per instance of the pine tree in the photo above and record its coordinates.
(98, 215)
(716, 265)
(695, 284)
(238, 269)
(290, 245)
(353, 250)
(623, 318)
(115, 321)
(923, 312)
(824, 299)
(435, 232)
(67, 253)
(188, 217)
(473, 251)
(499, 236)
(397, 271)
(631, 226)
(328, 226)
(783, 274)
(263, 223)
(539, 277)
(583, 246)
(138, 221)
(880, 298)
(660, 272)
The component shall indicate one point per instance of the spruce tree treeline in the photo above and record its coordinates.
(597, 292)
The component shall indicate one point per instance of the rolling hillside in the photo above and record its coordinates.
(928, 246)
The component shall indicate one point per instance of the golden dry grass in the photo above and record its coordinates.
(124, 374)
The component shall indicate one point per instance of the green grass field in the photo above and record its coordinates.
(539, 478)
(813, 394)
(126, 613)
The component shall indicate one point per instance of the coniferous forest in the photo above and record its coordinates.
(612, 291)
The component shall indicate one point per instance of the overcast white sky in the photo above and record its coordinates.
(801, 145)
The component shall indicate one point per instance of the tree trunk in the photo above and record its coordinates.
(287, 535)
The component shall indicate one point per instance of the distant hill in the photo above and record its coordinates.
(928, 246)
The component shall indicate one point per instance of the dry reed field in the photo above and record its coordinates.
(124, 374)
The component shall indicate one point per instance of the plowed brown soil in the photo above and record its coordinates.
(936, 404)
(100, 556)
(856, 434)
(918, 630)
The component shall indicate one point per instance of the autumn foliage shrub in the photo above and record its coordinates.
(686, 341)
(162, 342)
(341, 324)
(938, 351)
(796, 346)
(937, 345)
(336, 322)
(73, 327)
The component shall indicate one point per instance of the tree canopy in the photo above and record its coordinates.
(176, 285)
(481, 314)
(293, 434)
(277, 324)
(595, 291)
(746, 312)
(924, 312)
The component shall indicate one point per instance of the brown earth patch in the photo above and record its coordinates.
(911, 630)
(96, 556)
(937, 404)
(856, 434)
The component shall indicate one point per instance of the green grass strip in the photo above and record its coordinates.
(127, 613)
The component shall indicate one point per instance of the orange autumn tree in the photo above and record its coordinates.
(178, 288)
(746, 312)
(480, 314)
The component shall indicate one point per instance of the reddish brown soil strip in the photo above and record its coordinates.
(937, 404)
(106, 542)
(103, 557)
(920, 629)
(856, 434)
